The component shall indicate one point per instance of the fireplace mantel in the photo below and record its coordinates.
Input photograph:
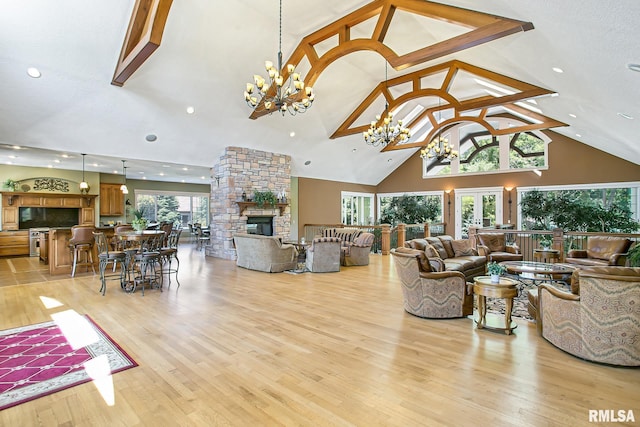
(246, 204)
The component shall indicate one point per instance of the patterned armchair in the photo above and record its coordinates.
(323, 256)
(357, 252)
(442, 294)
(599, 320)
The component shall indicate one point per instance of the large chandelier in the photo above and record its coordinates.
(439, 146)
(275, 95)
(440, 149)
(384, 132)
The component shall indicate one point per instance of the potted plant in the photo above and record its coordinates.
(10, 184)
(264, 198)
(495, 270)
(139, 222)
(546, 242)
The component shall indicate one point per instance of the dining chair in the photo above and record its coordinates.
(168, 253)
(147, 266)
(107, 256)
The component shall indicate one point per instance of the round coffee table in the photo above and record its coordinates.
(535, 272)
(506, 288)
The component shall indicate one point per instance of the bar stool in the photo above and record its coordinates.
(81, 244)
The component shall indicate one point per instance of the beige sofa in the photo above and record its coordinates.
(446, 254)
(264, 253)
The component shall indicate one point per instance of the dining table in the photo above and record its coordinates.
(133, 243)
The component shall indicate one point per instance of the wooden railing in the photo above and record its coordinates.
(385, 236)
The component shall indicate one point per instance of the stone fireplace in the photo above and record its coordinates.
(243, 170)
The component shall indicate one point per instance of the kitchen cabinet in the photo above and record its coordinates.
(111, 200)
(14, 243)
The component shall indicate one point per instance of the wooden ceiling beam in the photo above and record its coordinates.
(143, 37)
(484, 28)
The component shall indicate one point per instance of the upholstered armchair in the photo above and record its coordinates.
(442, 294)
(323, 256)
(599, 320)
(357, 252)
(495, 248)
(601, 251)
(264, 253)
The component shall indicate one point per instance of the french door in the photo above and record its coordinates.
(477, 207)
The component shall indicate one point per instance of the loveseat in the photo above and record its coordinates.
(601, 251)
(599, 319)
(446, 254)
(442, 294)
(264, 253)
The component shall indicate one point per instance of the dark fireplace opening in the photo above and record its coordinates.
(48, 217)
(260, 225)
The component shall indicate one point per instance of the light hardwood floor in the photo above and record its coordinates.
(239, 347)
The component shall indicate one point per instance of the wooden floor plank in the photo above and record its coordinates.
(238, 347)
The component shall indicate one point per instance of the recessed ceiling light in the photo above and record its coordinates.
(182, 180)
(151, 137)
(9, 163)
(161, 174)
(185, 169)
(292, 134)
(34, 72)
(191, 110)
(115, 172)
(307, 163)
(95, 165)
(16, 147)
(354, 150)
(388, 160)
(144, 177)
(56, 161)
(66, 156)
(625, 116)
(50, 166)
(13, 157)
(572, 115)
(558, 70)
(578, 135)
(634, 67)
(141, 173)
(202, 177)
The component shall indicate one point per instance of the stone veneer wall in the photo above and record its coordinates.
(242, 169)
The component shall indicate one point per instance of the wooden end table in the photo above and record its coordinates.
(546, 255)
(506, 289)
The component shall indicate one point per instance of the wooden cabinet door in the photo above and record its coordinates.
(10, 218)
(88, 216)
(111, 200)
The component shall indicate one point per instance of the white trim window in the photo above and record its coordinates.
(182, 208)
(357, 208)
(384, 199)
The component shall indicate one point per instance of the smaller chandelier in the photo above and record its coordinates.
(385, 133)
(440, 149)
(84, 185)
(275, 95)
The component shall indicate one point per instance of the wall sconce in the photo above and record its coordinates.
(448, 203)
(217, 178)
(510, 201)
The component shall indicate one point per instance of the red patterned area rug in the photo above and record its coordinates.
(38, 360)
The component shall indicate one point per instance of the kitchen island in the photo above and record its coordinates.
(60, 255)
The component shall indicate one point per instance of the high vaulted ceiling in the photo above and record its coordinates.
(210, 50)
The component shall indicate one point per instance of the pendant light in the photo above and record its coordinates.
(123, 187)
(84, 186)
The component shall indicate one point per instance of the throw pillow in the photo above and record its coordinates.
(431, 252)
(463, 248)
